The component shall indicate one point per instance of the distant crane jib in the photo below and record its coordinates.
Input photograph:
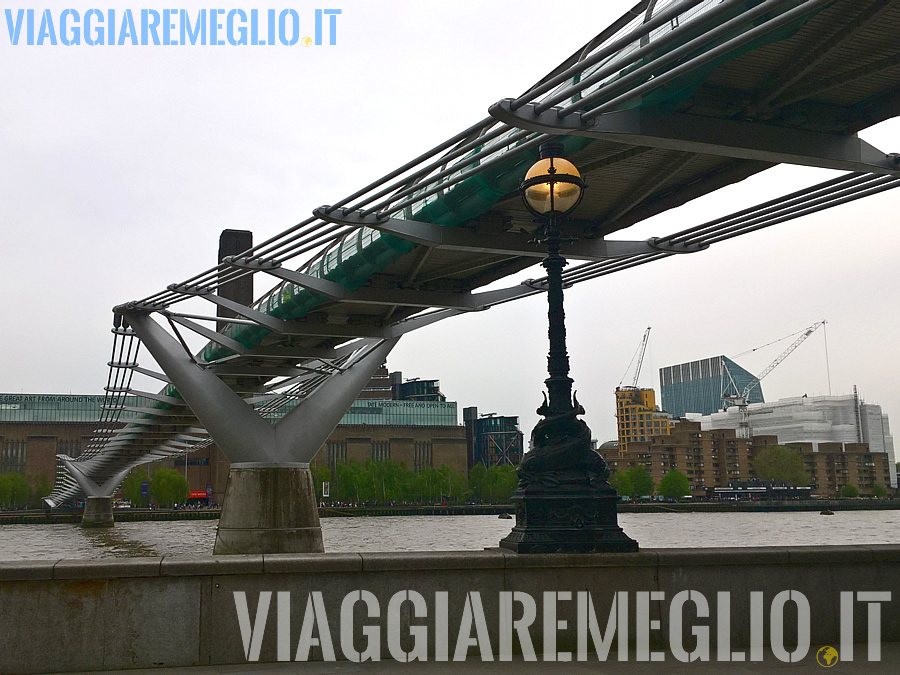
(639, 355)
(781, 357)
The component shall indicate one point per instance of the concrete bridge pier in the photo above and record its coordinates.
(269, 508)
(97, 512)
(270, 499)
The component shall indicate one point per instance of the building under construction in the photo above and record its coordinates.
(493, 440)
(815, 420)
(637, 416)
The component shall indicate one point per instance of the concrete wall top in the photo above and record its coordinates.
(173, 566)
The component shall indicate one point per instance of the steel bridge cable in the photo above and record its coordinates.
(655, 63)
(798, 207)
(320, 237)
(258, 251)
(893, 183)
(213, 273)
(471, 172)
(461, 136)
(481, 158)
(418, 178)
(194, 280)
(643, 29)
(726, 231)
(680, 237)
(414, 178)
(768, 26)
(304, 229)
(309, 221)
(169, 296)
(585, 273)
(324, 246)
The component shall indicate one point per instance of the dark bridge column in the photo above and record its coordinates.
(232, 243)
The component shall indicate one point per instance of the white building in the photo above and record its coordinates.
(818, 419)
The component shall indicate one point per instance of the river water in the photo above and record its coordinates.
(446, 533)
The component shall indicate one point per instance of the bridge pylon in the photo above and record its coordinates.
(270, 502)
(98, 498)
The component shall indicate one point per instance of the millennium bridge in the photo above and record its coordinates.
(674, 100)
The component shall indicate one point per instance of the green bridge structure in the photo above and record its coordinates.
(673, 101)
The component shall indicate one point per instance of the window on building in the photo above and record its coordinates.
(381, 450)
(422, 455)
(12, 456)
(336, 453)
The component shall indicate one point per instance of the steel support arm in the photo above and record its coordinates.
(497, 243)
(241, 433)
(88, 485)
(711, 136)
(237, 429)
(306, 428)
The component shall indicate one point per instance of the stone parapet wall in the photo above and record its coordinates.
(144, 612)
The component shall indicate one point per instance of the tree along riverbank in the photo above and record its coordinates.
(38, 517)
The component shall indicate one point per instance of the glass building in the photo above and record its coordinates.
(80, 408)
(387, 413)
(402, 413)
(53, 408)
(699, 386)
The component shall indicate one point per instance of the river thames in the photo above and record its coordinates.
(446, 533)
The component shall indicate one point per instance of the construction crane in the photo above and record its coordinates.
(741, 400)
(639, 355)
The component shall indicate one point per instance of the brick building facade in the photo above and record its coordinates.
(35, 428)
(712, 459)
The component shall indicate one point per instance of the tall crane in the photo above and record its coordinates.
(740, 400)
(639, 355)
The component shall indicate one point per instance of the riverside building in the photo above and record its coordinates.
(493, 440)
(638, 418)
(814, 422)
(421, 429)
(716, 458)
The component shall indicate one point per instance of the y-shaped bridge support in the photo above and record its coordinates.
(270, 504)
(98, 503)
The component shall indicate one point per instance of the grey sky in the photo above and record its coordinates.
(119, 166)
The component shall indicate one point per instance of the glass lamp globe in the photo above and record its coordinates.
(552, 185)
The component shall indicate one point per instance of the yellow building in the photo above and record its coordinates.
(637, 416)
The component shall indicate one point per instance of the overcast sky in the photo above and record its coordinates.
(120, 165)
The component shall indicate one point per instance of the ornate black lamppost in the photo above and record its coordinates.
(563, 502)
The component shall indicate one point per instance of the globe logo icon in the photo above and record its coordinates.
(827, 657)
(306, 41)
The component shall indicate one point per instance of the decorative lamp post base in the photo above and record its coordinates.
(568, 518)
(564, 503)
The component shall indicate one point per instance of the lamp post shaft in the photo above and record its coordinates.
(559, 384)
